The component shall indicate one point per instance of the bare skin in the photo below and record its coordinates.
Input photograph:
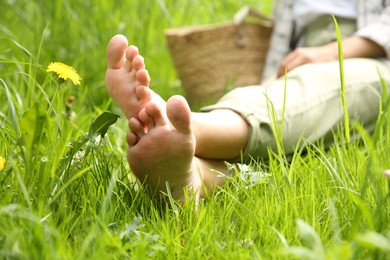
(353, 47)
(167, 143)
(126, 77)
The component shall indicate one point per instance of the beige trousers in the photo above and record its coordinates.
(312, 106)
(307, 105)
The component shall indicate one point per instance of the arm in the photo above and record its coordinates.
(353, 47)
(376, 26)
(370, 41)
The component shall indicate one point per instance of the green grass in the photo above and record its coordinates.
(65, 194)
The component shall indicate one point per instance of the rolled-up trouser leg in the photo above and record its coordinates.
(312, 107)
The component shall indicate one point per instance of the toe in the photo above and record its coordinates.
(157, 113)
(116, 51)
(143, 77)
(143, 93)
(131, 54)
(146, 119)
(132, 138)
(136, 126)
(138, 62)
(179, 114)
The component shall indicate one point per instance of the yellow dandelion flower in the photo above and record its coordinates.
(64, 72)
(2, 163)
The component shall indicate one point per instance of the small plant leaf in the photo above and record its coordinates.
(309, 236)
(374, 240)
(32, 124)
(101, 124)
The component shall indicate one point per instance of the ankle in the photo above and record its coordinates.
(211, 175)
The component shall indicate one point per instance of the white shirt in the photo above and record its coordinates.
(306, 11)
(372, 19)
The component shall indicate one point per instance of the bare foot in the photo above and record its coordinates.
(161, 140)
(127, 80)
(162, 147)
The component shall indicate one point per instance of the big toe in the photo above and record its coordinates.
(179, 114)
(116, 51)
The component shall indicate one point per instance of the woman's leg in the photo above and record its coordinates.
(166, 138)
(169, 143)
(307, 106)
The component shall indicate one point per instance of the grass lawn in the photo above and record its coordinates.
(67, 191)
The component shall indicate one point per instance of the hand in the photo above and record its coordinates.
(353, 47)
(301, 56)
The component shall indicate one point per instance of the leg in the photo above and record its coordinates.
(312, 108)
(165, 137)
(220, 134)
(161, 150)
(126, 79)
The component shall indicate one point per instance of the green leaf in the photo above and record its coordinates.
(101, 124)
(374, 240)
(31, 124)
(309, 236)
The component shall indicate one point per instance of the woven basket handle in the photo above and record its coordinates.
(240, 19)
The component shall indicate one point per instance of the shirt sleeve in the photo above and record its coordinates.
(378, 31)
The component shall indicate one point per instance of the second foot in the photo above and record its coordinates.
(162, 148)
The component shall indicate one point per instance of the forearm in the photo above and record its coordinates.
(353, 47)
(376, 25)
(359, 47)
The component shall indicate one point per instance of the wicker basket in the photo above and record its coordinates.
(212, 59)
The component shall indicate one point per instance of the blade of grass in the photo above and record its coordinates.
(11, 106)
(342, 81)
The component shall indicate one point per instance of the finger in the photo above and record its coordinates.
(285, 64)
(290, 63)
